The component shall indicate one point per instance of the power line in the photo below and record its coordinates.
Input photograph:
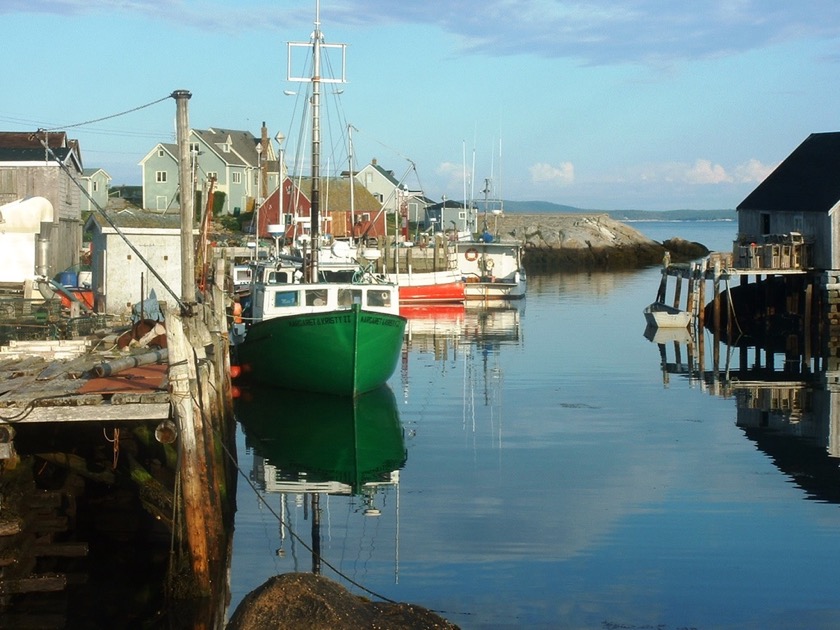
(96, 120)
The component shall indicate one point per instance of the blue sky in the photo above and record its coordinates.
(603, 104)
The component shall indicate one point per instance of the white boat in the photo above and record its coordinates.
(661, 315)
(491, 269)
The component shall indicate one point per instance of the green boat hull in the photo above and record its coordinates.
(353, 441)
(343, 352)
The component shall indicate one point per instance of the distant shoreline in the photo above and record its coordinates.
(627, 215)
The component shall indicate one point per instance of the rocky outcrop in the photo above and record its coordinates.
(303, 600)
(586, 242)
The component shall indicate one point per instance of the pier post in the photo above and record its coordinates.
(716, 315)
(677, 292)
(187, 191)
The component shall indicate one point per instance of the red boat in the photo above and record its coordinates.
(429, 286)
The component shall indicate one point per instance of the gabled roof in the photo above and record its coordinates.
(136, 220)
(808, 180)
(90, 172)
(335, 195)
(171, 149)
(30, 140)
(243, 145)
(388, 175)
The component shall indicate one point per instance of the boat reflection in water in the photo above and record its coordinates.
(467, 342)
(309, 445)
(788, 401)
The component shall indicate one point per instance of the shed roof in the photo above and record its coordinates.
(30, 139)
(136, 219)
(808, 180)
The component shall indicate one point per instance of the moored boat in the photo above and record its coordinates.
(660, 315)
(336, 338)
(304, 333)
(429, 286)
(491, 269)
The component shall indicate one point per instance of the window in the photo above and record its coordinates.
(236, 178)
(160, 177)
(193, 147)
(316, 297)
(377, 297)
(346, 297)
(213, 175)
(364, 217)
(95, 186)
(161, 152)
(285, 299)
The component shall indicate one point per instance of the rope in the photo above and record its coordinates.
(261, 498)
(116, 442)
(96, 120)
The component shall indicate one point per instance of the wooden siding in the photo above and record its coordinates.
(816, 230)
(63, 192)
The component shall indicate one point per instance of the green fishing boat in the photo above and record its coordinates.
(325, 348)
(305, 333)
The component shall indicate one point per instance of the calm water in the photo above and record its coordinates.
(554, 477)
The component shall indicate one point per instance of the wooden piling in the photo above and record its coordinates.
(677, 292)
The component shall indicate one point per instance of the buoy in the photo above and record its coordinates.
(235, 392)
(235, 371)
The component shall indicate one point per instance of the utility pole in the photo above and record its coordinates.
(187, 194)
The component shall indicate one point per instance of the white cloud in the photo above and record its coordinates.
(561, 175)
(753, 172)
(704, 172)
(452, 174)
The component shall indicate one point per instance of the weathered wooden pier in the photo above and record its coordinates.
(782, 285)
(136, 416)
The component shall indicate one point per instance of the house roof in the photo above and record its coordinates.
(243, 145)
(29, 139)
(137, 220)
(335, 195)
(90, 172)
(808, 180)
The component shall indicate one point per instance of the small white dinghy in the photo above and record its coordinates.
(661, 315)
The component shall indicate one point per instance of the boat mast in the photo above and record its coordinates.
(316, 46)
(352, 186)
(316, 144)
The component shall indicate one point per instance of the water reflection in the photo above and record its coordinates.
(787, 402)
(466, 339)
(306, 446)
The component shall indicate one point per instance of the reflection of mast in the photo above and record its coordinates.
(316, 533)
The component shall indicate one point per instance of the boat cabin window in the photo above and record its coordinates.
(379, 298)
(285, 299)
(279, 277)
(347, 297)
(242, 276)
(316, 297)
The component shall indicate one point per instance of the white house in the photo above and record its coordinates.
(119, 277)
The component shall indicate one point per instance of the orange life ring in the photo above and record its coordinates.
(471, 254)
